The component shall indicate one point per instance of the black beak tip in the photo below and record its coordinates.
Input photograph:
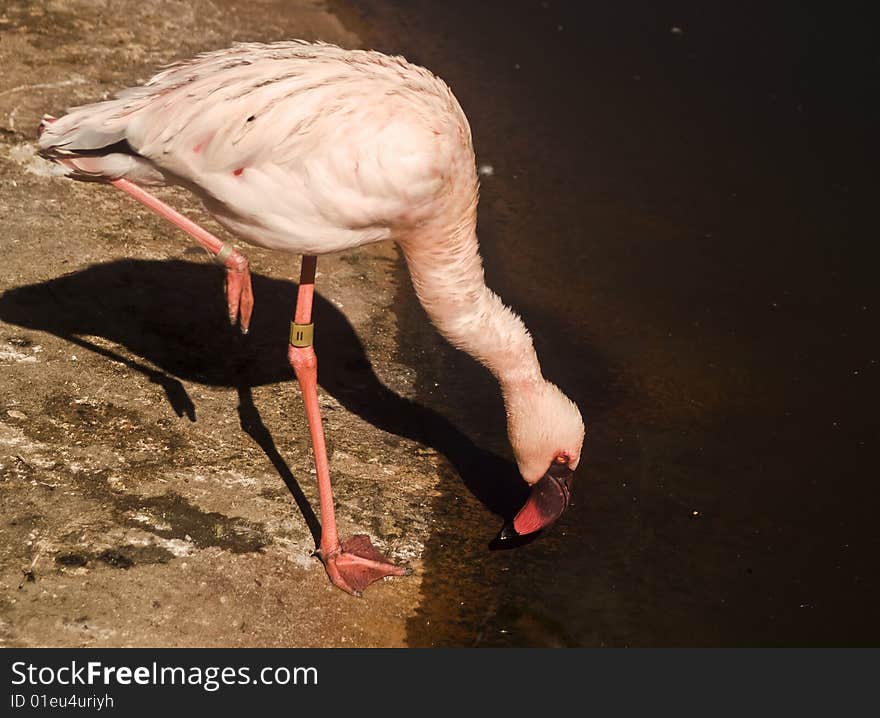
(508, 538)
(508, 532)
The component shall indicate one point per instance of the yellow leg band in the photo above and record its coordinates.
(301, 335)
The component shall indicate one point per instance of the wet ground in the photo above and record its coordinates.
(676, 201)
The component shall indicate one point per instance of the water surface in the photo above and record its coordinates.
(679, 208)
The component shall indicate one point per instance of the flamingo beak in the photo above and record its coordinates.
(546, 503)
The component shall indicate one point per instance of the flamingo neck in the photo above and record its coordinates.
(447, 274)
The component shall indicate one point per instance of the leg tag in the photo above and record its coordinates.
(301, 335)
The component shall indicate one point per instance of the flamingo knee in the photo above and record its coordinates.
(304, 362)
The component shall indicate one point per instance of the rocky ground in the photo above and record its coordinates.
(155, 469)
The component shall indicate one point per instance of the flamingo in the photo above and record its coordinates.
(310, 148)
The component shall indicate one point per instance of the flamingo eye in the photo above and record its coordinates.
(560, 459)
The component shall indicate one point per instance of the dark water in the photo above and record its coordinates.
(684, 219)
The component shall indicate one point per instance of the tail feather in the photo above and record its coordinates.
(89, 127)
(90, 142)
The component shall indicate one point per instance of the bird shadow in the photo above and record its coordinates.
(171, 320)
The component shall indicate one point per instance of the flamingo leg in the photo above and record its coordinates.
(239, 294)
(352, 564)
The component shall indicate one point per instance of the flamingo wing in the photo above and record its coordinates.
(292, 146)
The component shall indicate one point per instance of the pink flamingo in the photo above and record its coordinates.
(310, 148)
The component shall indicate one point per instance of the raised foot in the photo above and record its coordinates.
(357, 564)
(239, 294)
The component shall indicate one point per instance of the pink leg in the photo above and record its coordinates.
(239, 294)
(353, 564)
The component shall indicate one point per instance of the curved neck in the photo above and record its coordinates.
(447, 274)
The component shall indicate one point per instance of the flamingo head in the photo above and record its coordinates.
(547, 434)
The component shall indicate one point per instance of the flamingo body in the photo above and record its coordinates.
(309, 149)
(286, 144)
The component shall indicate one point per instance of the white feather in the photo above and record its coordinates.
(308, 149)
